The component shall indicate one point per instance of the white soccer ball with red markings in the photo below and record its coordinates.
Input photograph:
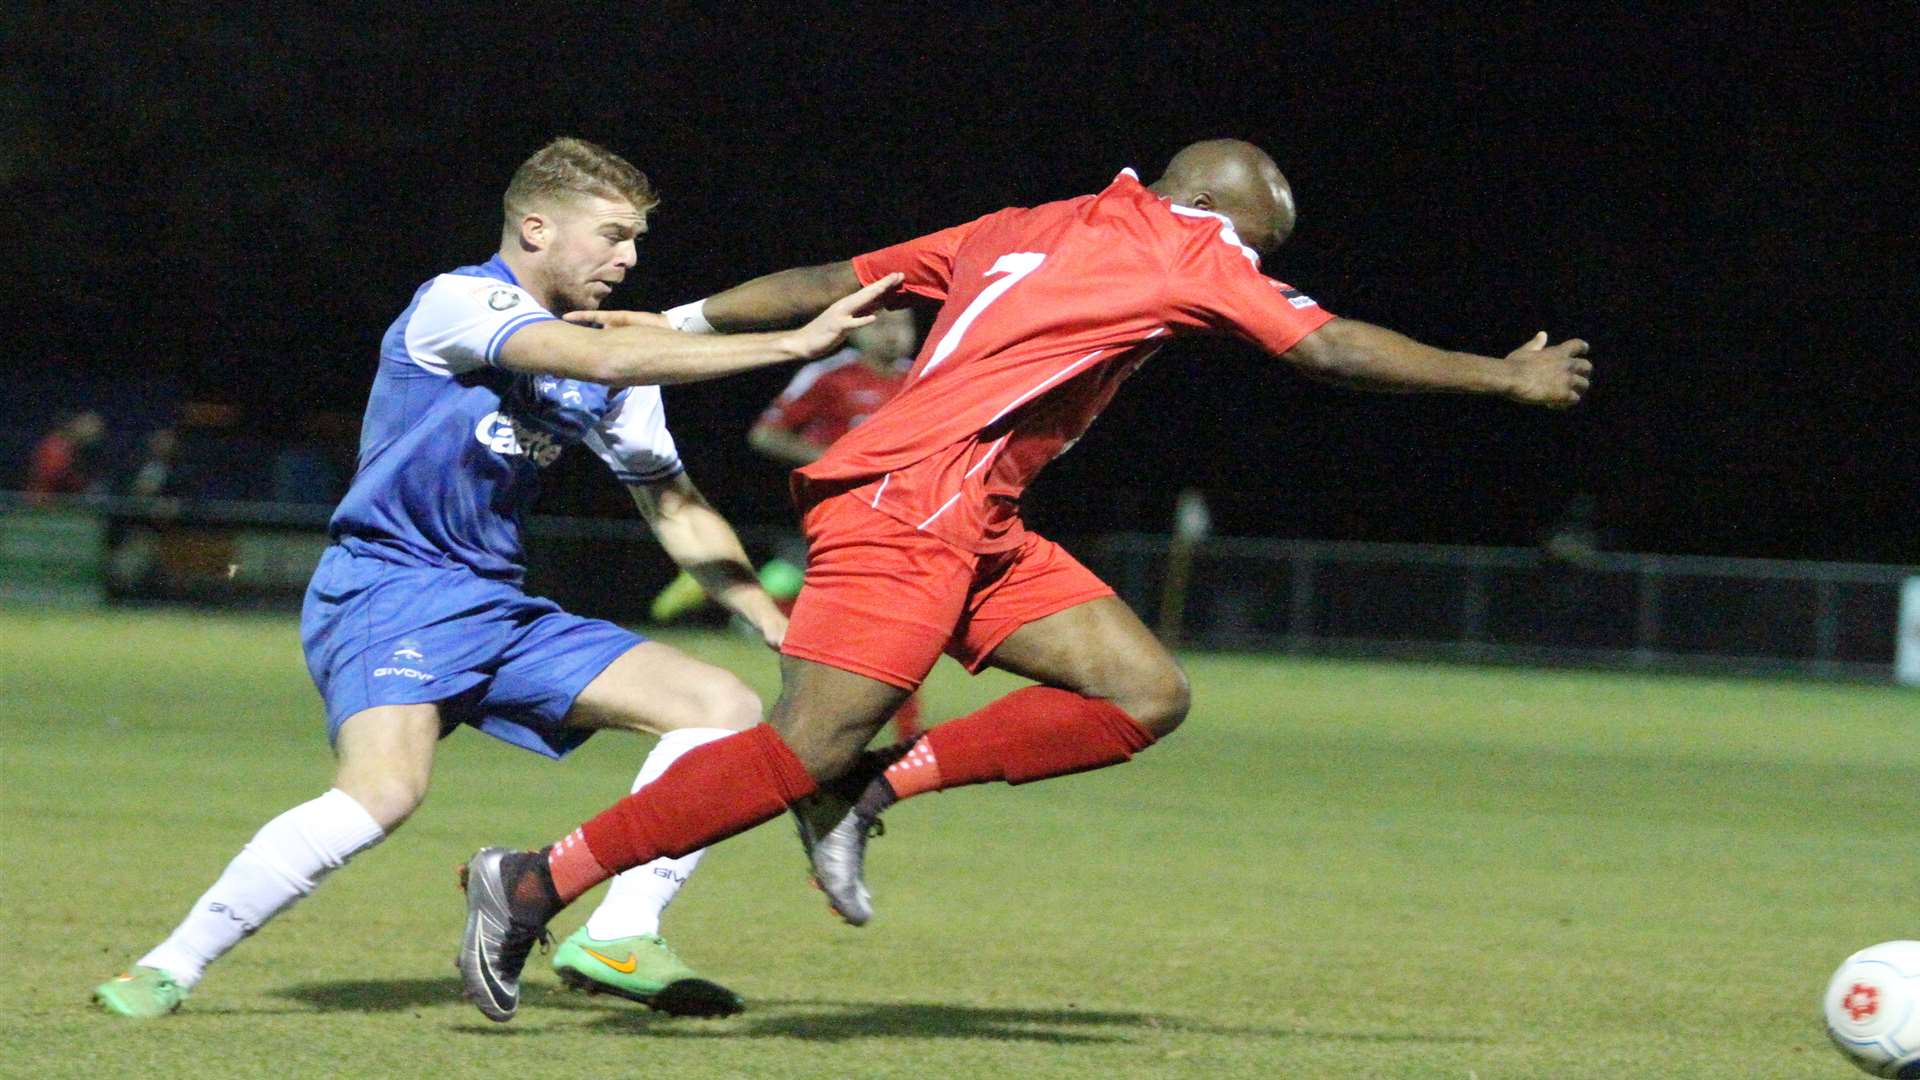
(1873, 1009)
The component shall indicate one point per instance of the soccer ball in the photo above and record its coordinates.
(1873, 1009)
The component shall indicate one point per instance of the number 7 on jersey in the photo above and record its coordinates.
(1015, 265)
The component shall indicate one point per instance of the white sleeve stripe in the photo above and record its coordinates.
(1226, 229)
(507, 330)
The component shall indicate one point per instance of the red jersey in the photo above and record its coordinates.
(54, 468)
(1045, 312)
(828, 397)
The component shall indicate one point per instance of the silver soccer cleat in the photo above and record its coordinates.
(834, 835)
(494, 948)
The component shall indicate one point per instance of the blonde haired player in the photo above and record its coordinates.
(415, 623)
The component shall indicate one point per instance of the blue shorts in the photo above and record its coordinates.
(381, 633)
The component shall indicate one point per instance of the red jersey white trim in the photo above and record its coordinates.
(1044, 313)
(1049, 381)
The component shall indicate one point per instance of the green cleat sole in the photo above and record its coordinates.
(682, 997)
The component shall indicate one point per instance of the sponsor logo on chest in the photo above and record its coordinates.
(498, 433)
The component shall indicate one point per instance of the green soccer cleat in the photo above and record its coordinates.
(142, 993)
(682, 595)
(642, 968)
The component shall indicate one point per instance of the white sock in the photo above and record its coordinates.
(636, 898)
(283, 862)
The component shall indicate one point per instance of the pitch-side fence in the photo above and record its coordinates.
(1517, 605)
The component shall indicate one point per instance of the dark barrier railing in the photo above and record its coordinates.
(1521, 605)
(1479, 604)
(259, 555)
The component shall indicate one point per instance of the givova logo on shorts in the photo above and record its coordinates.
(402, 663)
(498, 433)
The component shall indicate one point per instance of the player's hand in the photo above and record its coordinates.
(856, 309)
(1555, 376)
(610, 319)
(773, 631)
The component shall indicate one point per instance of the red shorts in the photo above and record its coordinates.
(884, 600)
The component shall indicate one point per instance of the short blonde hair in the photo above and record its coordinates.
(568, 167)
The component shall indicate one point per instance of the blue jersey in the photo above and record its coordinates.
(452, 445)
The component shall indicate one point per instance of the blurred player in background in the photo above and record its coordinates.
(825, 400)
(830, 397)
(62, 462)
(915, 542)
(415, 622)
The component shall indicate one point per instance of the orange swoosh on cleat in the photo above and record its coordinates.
(624, 967)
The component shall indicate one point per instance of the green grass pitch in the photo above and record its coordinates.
(1334, 870)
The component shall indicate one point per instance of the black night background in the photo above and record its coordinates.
(229, 206)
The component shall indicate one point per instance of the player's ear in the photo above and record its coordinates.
(536, 231)
(1203, 200)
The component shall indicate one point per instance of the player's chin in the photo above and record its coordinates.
(587, 299)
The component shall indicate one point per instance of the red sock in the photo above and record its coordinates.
(712, 792)
(917, 771)
(1029, 735)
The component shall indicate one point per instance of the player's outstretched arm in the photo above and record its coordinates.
(776, 300)
(701, 542)
(635, 353)
(1361, 355)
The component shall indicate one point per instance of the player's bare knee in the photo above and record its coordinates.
(388, 799)
(1160, 700)
(830, 760)
(827, 755)
(827, 747)
(731, 704)
(717, 700)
